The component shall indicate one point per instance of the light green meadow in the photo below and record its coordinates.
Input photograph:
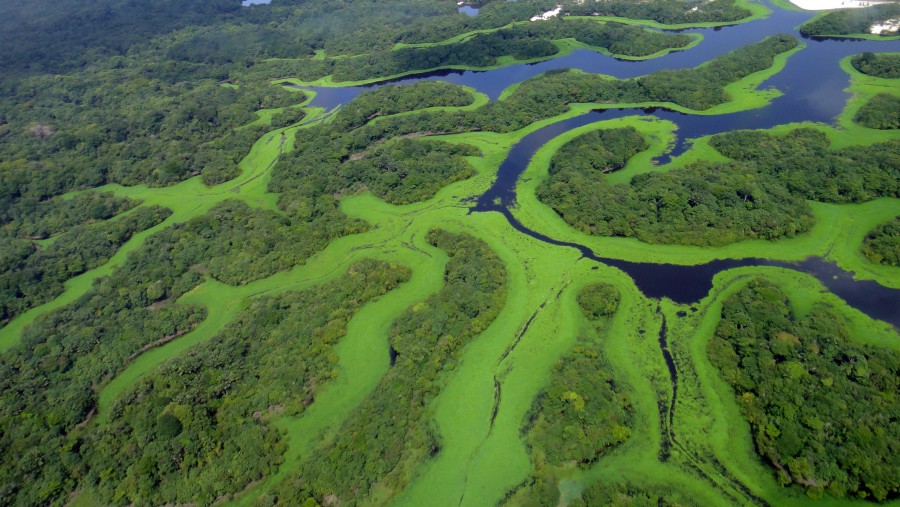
(484, 462)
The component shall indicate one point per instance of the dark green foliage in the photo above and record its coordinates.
(400, 172)
(290, 116)
(704, 204)
(822, 407)
(550, 94)
(268, 242)
(54, 35)
(497, 14)
(40, 220)
(628, 495)
(389, 100)
(663, 11)
(880, 112)
(49, 386)
(802, 162)
(168, 426)
(84, 130)
(388, 435)
(882, 245)
(523, 42)
(220, 399)
(850, 21)
(599, 151)
(598, 301)
(35, 275)
(409, 171)
(582, 413)
(878, 65)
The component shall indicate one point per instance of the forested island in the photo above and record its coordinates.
(308, 253)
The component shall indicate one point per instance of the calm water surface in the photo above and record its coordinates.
(813, 90)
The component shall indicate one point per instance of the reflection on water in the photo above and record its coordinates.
(246, 3)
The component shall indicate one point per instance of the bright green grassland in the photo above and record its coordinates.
(481, 404)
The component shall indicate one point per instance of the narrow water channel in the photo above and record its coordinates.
(812, 85)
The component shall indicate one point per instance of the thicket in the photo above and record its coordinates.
(704, 204)
(523, 42)
(48, 386)
(200, 428)
(551, 93)
(822, 407)
(327, 161)
(804, 164)
(33, 274)
(878, 65)
(394, 99)
(662, 11)
(850, 21)
(50, 35)
(35, 219)
(882, 245)
(880, 112)
(583, 412)
(497, 14)
(390, 433)
(630, 495)
(121, 126)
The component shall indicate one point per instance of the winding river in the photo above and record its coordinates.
(813, 90)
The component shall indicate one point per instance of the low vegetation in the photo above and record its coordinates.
(584, 412)
(627, 495)
(389, 434)
(201, 426)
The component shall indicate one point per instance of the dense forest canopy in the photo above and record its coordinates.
(377, 447)
(886, 65)
(821, 406)
(851, 21)
(259, 280)
(882, 245)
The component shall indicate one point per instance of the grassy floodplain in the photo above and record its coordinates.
(839, 231)
(710, 455)
(565, 46)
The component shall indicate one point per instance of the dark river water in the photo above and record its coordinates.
(813, 90)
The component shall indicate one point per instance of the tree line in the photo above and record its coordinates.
(390, 433)
(850, 21)
(882, 244)
(821, 406)
(522, 42)
(200, 428)
(584, 412)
